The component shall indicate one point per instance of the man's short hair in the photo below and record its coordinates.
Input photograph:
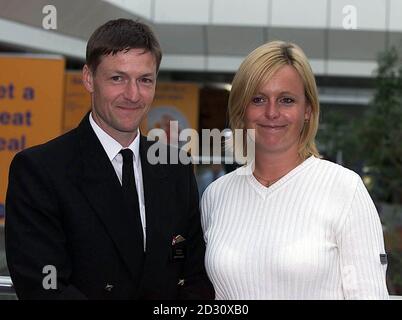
(121, 35)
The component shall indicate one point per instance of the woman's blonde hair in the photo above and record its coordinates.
(257, 68)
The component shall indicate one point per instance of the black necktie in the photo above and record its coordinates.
(130, 190)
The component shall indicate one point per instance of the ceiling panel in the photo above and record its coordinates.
(370, 15)
(395, 40)
(224, 40)
(286, 13)
(355, 45)
(74, 17)
(239, 12)
(182, 11)
(179, 40)
(395, 20)
(312, 41)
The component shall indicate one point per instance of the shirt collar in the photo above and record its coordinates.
(111, 146)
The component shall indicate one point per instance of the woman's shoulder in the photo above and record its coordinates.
(339, 173)
(330, 165)
(224, 181)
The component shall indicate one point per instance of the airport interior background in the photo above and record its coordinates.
(203, 44)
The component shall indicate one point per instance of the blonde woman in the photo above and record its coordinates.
(288, 225)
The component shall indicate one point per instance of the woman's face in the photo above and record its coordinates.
(277, 112)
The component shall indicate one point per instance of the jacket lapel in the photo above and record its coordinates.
(100, 185)
(157, 197)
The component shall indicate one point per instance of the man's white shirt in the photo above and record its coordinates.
(112, 149)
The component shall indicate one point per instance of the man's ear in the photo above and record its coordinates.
(88, 79)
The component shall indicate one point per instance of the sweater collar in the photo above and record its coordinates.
(263, 190)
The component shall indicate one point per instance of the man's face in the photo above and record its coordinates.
(122, 89)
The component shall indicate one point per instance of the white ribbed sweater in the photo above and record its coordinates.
(314, 234)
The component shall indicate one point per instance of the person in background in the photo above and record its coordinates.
(208, 175)
(87, 215)
(288, 225)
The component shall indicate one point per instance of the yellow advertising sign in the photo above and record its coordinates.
(77, 100)
(31, 106)
(174, 102)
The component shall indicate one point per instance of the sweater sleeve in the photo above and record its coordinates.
(361, 243)
(205, 206)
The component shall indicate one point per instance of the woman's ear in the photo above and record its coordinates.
(307, 113)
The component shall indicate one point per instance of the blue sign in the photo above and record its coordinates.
(2, 210)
